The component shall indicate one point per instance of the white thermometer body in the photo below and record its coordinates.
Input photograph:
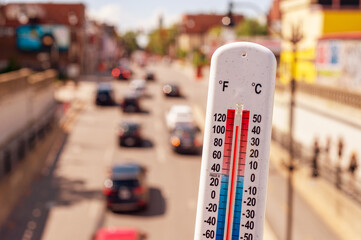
(234, 172)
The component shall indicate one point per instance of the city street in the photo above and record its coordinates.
(103, 116)
(70, 188)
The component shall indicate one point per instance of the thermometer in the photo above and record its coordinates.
(234, 171)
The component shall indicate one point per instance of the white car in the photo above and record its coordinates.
(139, 86)
(179, 114)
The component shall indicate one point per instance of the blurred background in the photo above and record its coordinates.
(102, 109)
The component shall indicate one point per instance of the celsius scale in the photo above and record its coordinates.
(234, 171)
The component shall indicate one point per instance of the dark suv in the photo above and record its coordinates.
(130, 134)
(186, 138)
(131, 102)
(104, 95)
(126, 188)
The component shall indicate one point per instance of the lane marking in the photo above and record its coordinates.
(161, 152)
(199, 117)
(108, 155)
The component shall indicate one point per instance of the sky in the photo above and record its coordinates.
(144, 14)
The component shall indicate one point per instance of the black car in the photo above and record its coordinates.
(185, 138)
(130, 134)
(171, 90)
(104, 95)
(131, 102)
(126, 189)
(149, 76)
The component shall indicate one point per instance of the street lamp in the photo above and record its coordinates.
(296, 37)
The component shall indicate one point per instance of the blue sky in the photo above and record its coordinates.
(144, 14)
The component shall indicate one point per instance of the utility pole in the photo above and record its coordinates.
(230, 14)
(296, 37)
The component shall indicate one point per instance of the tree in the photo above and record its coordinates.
(161, 39)
(129, 41)
(251, 27)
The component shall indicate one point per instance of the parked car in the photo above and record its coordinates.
(126, 188)
(105, 95)
(171, 90)
(130, 102)
(179, 114)
(139, 86)
(129, 134)
(115, 233)
(186, 138)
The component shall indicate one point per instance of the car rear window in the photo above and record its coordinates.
(126, 183)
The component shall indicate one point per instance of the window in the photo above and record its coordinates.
(342, 2)
(325, 2)
(7, 161)
(349, 2)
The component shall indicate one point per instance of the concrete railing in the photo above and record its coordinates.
(13, 82)
(342, 96)
(27, 107)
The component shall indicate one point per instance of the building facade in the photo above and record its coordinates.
(194, 29)
(338, 61)
(314, 19)
(41, 35)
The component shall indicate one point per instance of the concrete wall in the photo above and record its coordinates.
(27, 106)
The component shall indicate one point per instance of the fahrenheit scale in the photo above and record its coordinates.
(234, 172)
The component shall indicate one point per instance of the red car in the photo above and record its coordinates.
(119, 234)
(121, 73)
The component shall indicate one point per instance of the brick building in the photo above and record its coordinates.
(194, 29)
(41, 35)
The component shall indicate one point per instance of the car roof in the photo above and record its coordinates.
(181, 108)
(104, 86)
(185, 126)
(123, 171)
(171, 84)
(138, 82)
(129, 123)
(112, 233)
(131, 94)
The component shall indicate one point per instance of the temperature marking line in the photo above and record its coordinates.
(222, 206)
(240, 176)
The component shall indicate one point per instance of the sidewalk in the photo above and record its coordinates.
(340, 213)
(37, 161)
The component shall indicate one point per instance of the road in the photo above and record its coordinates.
(65, 202)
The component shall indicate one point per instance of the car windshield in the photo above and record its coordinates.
(184, 131)
(184, 115)
(130, 127)
(104, 91)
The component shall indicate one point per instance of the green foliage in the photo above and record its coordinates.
(13, 65)
(129, 41)
(161, 39)
(199, 59)
(181, 53)
(215, 31)
(250, 27)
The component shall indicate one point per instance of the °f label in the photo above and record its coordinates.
(234, 172)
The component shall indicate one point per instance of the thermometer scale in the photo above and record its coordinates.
(234, 171)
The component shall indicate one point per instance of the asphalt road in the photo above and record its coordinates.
(65, 202)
